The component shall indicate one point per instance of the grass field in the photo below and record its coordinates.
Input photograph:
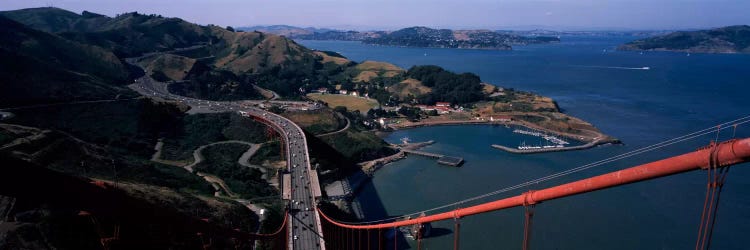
(350, 102)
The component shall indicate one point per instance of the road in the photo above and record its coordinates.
(305, 228)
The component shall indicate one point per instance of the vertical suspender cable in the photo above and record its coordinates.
(528, 215)
(395, 239)
(380, 239)
(456, 233)
(419, 236)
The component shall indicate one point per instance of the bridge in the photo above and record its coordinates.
(305, 226)
(715, 158)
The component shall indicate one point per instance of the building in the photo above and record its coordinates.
(443, 110)
(322, 90)
(443, 104)
(354, 93)
(343, 92)
(501, 118)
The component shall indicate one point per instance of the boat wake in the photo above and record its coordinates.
(612, 67)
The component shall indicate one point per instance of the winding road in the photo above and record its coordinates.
(305, 230)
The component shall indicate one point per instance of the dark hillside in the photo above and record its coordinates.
(58, 214)
(38, 67)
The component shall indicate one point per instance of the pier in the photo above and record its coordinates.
(441, 159)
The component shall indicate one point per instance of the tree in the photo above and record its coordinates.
(229, 28)
(340, 109)
(276, 109)
(348, 86)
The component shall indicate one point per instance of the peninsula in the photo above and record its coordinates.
(731, 39)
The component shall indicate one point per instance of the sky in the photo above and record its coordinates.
(395, 14)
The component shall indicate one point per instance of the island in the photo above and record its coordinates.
(417, 36)
(731, 39)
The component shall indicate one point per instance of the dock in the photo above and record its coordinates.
(441, 159)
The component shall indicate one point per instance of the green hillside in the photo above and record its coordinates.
(38, 67)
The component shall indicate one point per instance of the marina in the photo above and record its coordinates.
(551, 138)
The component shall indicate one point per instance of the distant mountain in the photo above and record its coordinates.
(417, 37)
(38, 67)
(285, 30)
(465, 39)
(731, 39)
(341, 35)
(544, 32)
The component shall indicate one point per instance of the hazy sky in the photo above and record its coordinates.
(390, 14)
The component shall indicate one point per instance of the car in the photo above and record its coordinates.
(295, 237)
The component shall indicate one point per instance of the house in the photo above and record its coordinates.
(354, 93)
(443, 110)
(343, 92)
(322, 90)
(443, 104)
(425, 107)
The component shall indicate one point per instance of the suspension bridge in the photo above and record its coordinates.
(714, 158)
(307, 226)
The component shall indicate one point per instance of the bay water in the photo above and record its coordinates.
(640, 98)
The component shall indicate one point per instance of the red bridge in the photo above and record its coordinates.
(714, 159)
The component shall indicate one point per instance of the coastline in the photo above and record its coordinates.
(594, 136)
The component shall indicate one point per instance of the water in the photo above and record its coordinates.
(678, 94)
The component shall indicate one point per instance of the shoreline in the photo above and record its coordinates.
(598, 137)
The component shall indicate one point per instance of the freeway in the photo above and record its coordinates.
(305, 224)
(305, 228)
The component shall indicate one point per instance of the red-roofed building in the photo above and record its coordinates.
(443, 104)
(443, 110)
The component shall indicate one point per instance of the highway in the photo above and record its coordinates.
(305, 231)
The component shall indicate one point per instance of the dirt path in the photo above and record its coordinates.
(198, 153)
(218, 181)
(348, 123)
(244, 160)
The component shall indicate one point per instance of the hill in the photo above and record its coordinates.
(464, 39)
(173, 67)
(284, 30)
(271, 61)
(38, 67)
(731, 39)
(54, 20)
